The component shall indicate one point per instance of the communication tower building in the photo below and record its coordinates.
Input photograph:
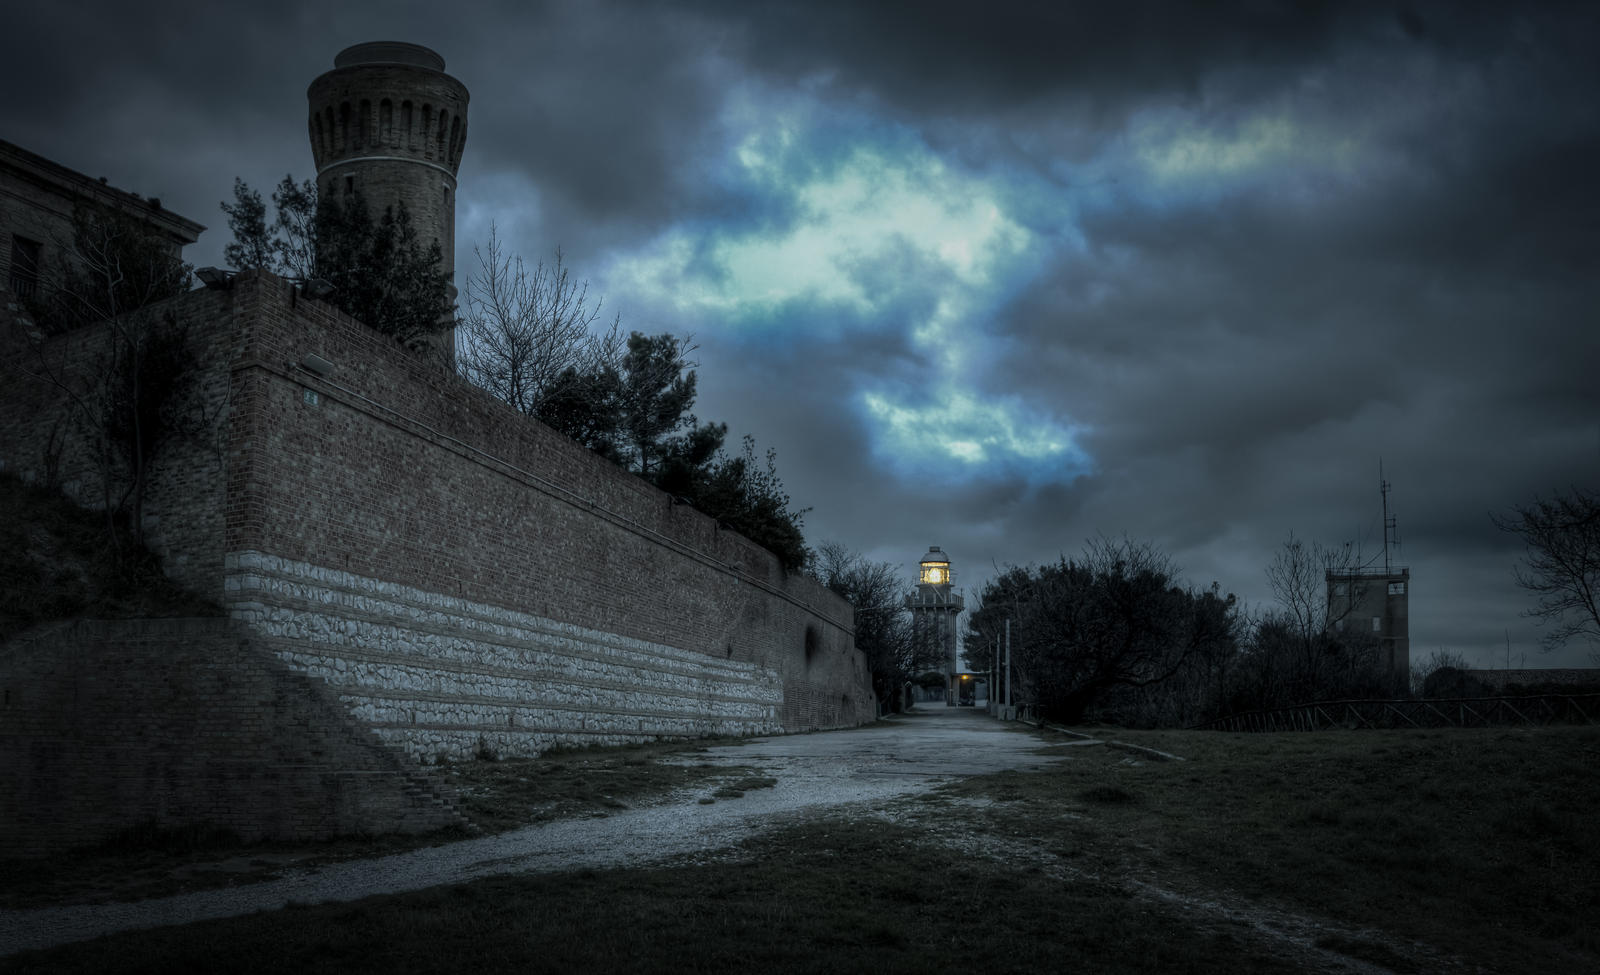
(1373, 603)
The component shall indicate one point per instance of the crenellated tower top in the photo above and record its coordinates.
(387, 122)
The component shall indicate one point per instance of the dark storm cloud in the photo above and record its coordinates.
(945, 56)
(1410, 274)
(605, 111)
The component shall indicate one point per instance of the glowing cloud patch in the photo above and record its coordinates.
(995, 434)
(859, 222)
(1175, 151)
(870, 204)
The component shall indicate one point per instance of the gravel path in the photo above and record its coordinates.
(815, 772)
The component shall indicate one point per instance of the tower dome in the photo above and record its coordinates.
(387, 122)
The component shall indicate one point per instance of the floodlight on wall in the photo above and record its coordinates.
(317, 364)
(318, 288)
(215, 278)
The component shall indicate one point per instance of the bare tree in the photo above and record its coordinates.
(129, 398)
(1561, 564)
(527, 334)
(883, 627)
(1298, 578)
(1302, 627)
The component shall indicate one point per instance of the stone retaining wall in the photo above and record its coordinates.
(110, 726)
(437, 675)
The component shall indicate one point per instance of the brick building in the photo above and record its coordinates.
(1375, 604)
(38, 199)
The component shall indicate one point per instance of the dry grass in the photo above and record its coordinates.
(1407, 852)
(822, 898)
(498, 796)
(1482, 843)
(568, 783)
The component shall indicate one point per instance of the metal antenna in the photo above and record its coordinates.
(1389, 528)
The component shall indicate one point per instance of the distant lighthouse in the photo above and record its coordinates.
(388, 123)
(934, 608)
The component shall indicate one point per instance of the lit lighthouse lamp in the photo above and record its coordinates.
(934, 607)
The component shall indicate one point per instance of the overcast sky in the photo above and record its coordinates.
(1000, 277)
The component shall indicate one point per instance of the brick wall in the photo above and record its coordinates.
(48, 392)
(388, 470)
(454, 572)
(109, 726)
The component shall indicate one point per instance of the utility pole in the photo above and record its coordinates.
(994, 676)
(1008, 663)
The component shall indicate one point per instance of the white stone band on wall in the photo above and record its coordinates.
(433, 673)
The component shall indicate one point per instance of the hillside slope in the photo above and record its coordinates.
(57, 562)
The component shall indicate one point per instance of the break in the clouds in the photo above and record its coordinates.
(858, 222)
(1001, 278)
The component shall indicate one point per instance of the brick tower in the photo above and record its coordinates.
(389, 123)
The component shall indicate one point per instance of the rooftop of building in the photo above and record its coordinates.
(71, 183)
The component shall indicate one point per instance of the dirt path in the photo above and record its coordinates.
(815, 772)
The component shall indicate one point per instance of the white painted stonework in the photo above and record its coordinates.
(437, 675)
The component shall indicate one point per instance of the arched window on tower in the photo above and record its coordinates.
(408, 138)
(455, 135)
(427, 128)
(386, 123)
(438, 151)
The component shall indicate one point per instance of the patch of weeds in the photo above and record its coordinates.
(750, 783)
(575, 782)
(151, 837)
(1530, 820)
(1368, 951)
(1108, 795)
(1320, 814)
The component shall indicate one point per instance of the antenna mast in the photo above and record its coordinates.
(1389, 526)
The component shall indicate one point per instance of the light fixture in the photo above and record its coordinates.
(318, 288)
(317, 364)
(215, 278)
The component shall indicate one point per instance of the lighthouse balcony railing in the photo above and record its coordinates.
(919, 600)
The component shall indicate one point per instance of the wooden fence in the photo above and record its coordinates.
(1458, 712)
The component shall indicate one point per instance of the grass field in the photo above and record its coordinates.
(496, 795)
(1366, 851)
